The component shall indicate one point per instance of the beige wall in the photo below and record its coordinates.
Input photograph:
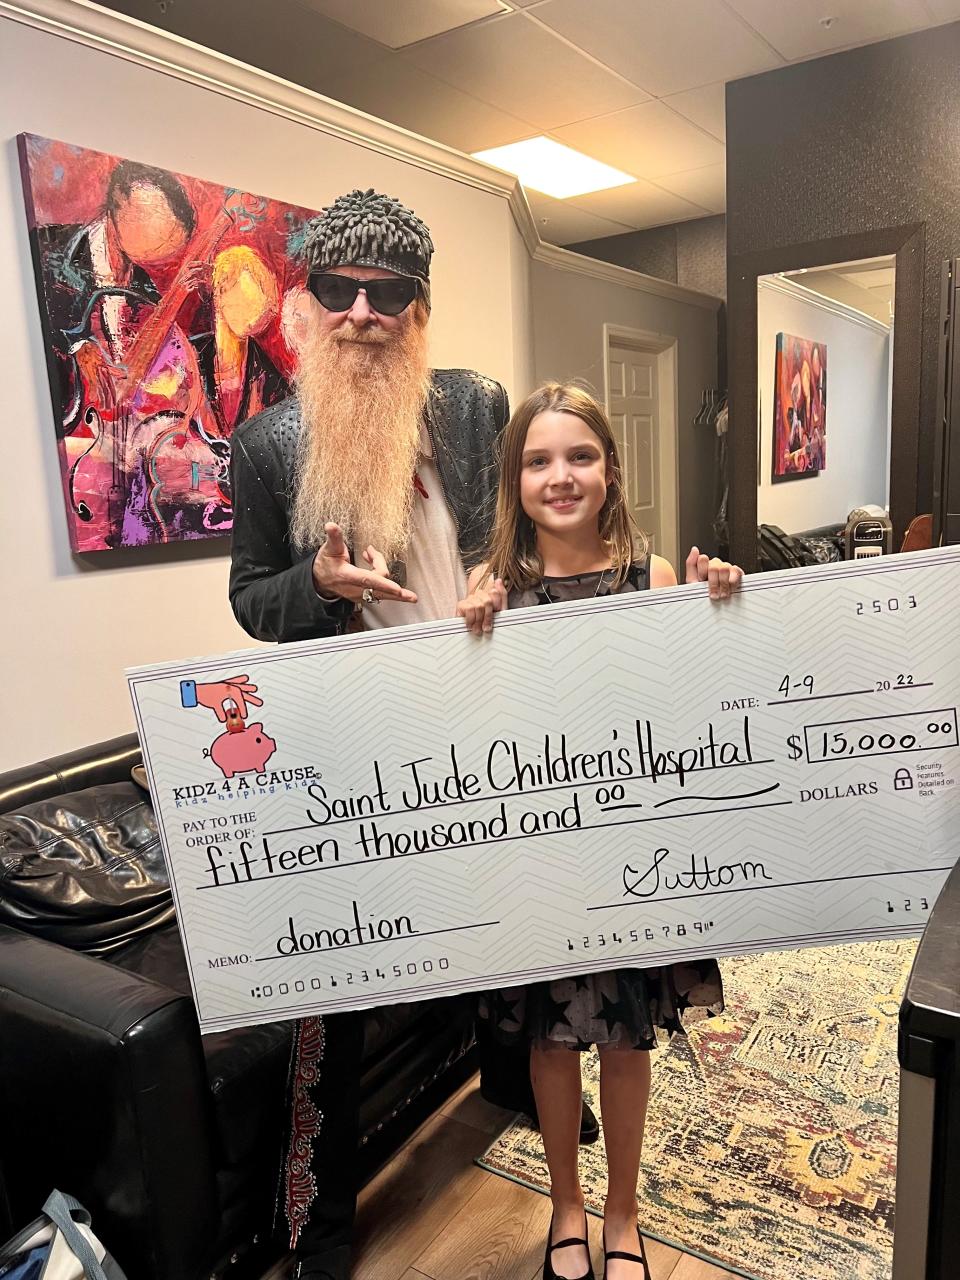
(570, 310)
(72, 624)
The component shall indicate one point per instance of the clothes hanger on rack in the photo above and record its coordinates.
(713, 408)
(699, 416)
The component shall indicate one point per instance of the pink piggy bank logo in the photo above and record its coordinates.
(242, 751)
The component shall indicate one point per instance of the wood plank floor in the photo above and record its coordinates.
(431, 1214)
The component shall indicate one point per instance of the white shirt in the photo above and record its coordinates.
(434, 568)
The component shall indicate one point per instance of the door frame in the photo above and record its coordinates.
(664, 346)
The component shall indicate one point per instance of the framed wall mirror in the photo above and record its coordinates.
(824, 386)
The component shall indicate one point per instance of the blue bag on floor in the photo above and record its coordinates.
(58, 1245)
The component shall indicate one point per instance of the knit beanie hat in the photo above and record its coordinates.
(367, 229)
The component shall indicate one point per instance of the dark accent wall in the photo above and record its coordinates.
(852, 145)
(654, 252)
(692, 254)
(702, 255)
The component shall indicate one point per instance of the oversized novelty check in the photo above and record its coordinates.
(629, 781)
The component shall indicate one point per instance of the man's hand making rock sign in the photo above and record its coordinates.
(335, 577)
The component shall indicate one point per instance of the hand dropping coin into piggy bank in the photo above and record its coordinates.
(242, 748)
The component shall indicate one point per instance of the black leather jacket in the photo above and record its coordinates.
(271, 582)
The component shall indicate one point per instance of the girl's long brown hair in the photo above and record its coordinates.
(513, 554)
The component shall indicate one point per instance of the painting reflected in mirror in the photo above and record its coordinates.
(799, 408)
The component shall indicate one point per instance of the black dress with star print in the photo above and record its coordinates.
(620, 1008)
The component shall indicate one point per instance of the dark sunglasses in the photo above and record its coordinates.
(339, 293)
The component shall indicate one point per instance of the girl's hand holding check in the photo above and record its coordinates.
(722, 576)
(481, 604)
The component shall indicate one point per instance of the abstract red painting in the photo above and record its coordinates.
(160, 299)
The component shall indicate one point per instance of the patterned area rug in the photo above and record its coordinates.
(771, 1135)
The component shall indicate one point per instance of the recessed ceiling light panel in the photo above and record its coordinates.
(556, 170)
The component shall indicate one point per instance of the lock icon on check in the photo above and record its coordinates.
(903, 780)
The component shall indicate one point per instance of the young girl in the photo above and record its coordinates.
(563, 531)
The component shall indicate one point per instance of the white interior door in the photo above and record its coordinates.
(635, 418)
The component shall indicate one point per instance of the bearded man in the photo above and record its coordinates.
(361, 499)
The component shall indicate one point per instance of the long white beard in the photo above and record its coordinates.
(362, 396)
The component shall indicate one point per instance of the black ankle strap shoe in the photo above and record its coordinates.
(640, 1257)
(548, 1271)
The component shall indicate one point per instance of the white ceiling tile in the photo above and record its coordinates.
(706, 187)
(524, 70)
(706, 107)
(560, 222)
(664, 46)
(401, 22)
(407, 96)
(794, 27)
(644, 141)
(640, 204)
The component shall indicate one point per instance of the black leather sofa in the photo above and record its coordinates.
(107, 1090)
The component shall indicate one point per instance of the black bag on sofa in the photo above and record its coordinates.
(85, 869)
(777, 550)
